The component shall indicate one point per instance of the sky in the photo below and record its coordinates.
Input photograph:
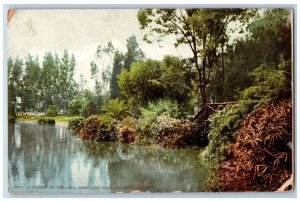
(80, 31)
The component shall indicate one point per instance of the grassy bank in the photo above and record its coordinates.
(58, 119)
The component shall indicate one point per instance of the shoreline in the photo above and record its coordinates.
(34, 121)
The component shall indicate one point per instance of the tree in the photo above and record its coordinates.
(151, 80)
(134, 53)
(176, 79)
(52, 110)
(267, 42)
(75, 107)
(204, 30)
(90, 103)
(14, 85)
(140, 83)
(66, 83)
(48, 81)
(31, 97)
(117, 67)
(105, 55)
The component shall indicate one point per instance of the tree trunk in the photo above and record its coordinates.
(202, 90)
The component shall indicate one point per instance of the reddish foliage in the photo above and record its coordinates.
(128, 130)
(261, 159)
(127, 135)
(91, 128)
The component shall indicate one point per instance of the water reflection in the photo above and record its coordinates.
(52, 156)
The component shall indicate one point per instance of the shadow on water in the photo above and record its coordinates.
(51, 156)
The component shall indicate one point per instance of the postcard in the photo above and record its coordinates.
(150, 100)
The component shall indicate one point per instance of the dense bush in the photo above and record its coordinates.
(109, 128)
(91, 128)
(155, 109)
(89, 108)
(128, 130)
(223, 125)
(148, 122)
(222, 129)
(76, 124)
(261, 158)
(175, 133)
(74, 107)
(51, 110)
(269, 83)
(104, 128)
(46, 121)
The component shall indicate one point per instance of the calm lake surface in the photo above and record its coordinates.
(50, 159)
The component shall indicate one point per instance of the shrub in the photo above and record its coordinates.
(269, 83)
(76, 124)
(146, 131)
(116, 109)
(91, 128)
(261, 159)
(89, 108)
(155, 109)
(51, 110)
(127, 130)
(175, 133)
(148, 123)
(46, 121)
(109, 128)
(223, 125)
(74, 107)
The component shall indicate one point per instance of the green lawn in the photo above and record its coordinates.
(58, 119)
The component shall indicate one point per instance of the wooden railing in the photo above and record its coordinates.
(208, 109)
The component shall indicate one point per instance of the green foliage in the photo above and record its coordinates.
(204, 30)
(109, 128)
(134, 53)
(176, 133)
(76, 124)
(14, 85)
(155, 109)
(269, 83)
(74, 107)
(267, 42)
(116, 69)
(46, 121)
(52, 110)
(176, 79)
(223, 125)
(140, 83)
(148, 121)
(153, 80)
(65, 83)
(91, 102)
(271, 31)
(32, 87)
(88, 108)
(116, 109)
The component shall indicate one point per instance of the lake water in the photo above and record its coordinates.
(50, 159)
